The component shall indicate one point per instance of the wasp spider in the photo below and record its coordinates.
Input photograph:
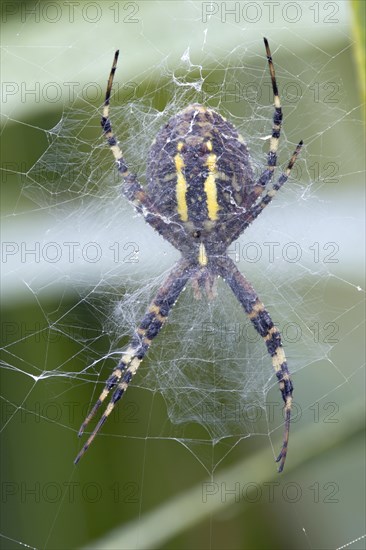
(201, 194)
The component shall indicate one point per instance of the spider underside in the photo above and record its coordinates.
(201, 194)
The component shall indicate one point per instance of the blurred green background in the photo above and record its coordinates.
(138, 487)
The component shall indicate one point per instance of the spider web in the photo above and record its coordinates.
(80, 268)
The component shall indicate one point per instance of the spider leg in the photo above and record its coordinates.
(242, 221)
(257, 208)
(263, 324)
(148, 329)
(267, 173)
(132, 189)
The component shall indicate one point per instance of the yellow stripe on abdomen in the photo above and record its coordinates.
(181, 187)
(210, 187)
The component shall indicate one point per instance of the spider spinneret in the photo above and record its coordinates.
(201, 194)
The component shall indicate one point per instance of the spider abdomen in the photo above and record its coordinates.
(199, 170)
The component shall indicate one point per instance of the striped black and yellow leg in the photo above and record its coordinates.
(148, 329)
(256, 209)
(267, 173)
(241, 222)
(263, 324)
(131, 189)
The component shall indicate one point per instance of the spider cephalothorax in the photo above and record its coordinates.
(201, 194)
